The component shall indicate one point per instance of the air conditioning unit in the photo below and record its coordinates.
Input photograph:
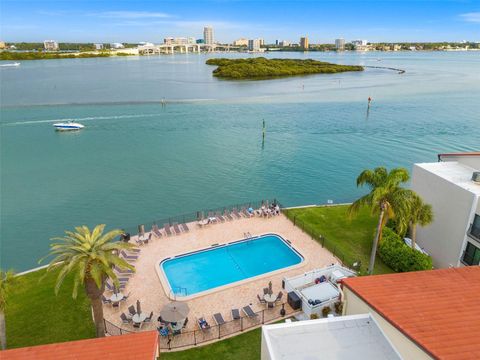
(476, 177)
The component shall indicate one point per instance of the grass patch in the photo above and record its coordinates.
(351, 238)
(245, 346)
(35, 316)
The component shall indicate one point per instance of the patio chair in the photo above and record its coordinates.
(249, 312)
(156, 231)
(247, 213)
(163, 331)
(125, 298)
(262, 301)
(125, 319)
(203, 324)
(105, 300)
(131, 310)
(219, 217)
(110, 287)
(176, 228)
(184, 227)
(148, 318)
(128, 257)
(138, 241)
(218, 319)
(265, 291)
(227, 216)
(237, 213)
(166, 228)
(185, 323)
(116, 304)
(279, 296)
(235, 314)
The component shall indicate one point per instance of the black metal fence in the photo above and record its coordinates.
(214, 332)
(201, 214)
(346, 260)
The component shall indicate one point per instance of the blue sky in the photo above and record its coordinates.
(322, 21)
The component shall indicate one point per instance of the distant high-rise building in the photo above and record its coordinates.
(262, 41)
(2, 45)
(360, 42)
(284, 43)
(304, 42)
(169, 40)
(241, 42)
(276, 42)
(50, 45)
(254, 45)
(340, 44)
(98, 46)
(208, 35)
(117, 46)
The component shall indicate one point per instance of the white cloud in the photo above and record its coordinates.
(471, 17)
(133, 14)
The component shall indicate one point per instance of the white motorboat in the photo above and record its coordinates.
(11, 64)
(69, 125)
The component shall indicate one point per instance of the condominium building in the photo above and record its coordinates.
(284, 43)
(2, 45)
(452, 187)
(208, 37)
(50, 45)
(117, 46)
(98, 46)
(340, 44)
(360, 42)
(262, 41)
(241, 42)
(304, 42)
(254, 45)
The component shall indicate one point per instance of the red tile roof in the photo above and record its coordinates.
(439, 310)
(139, 346)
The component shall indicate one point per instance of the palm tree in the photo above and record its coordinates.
(7, 279)
(386, 198)
(90, 256)
(420, 213)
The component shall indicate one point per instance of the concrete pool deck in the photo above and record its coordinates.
(145, 285)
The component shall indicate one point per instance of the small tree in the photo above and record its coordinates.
(7, 279)
(90, 256)
(421, 214)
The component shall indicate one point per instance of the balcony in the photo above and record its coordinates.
(474, 229)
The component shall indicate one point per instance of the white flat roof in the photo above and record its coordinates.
(340, 338)
(454, 172)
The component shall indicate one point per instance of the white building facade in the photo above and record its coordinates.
(453, 239)
(208, 37)
(50, 45)
(254, 44)
(340, 44)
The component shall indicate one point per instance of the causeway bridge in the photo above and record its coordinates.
(183, 48)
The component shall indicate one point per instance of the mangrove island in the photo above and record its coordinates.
(262, 68)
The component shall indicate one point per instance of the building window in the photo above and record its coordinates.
(471, 256)
(475, 229)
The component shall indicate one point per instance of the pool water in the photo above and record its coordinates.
(204, 270)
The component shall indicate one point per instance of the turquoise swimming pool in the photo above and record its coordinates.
(193, 273)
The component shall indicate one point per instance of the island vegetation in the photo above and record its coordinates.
(262, 68)
(34, 55)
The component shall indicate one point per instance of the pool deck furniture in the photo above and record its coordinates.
(129, 257)
(105, 300)
(145, 284)
(139, 318)
(248, 311)
(219, 217)
(149, 317)
(235, 314)
(176, 228)
(131, 310)
(116, 298)
(156, 231)
(184, 227)
(203, 324)
(279, 296)
(218, 319)
(125, 319)
(227, 216)
(261, 300)
(166, 228)
(270, 299)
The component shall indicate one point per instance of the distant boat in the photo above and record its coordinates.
(66, 126)
(11, 64)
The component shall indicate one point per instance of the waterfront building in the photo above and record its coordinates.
(241, 42)
(340, 44)
(50, 45)
(304, 42)
(262, 41)
(2, 45)
(168, 40)
(254, 45)
(284, 43)
(208, 37)
(98, 46)
(360, 42)
(199, 41)
(117, 46)
(452, 187)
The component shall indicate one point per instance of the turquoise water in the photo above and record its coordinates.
(205, 270)
(137, 161)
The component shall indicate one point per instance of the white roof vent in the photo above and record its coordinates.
(476, 177)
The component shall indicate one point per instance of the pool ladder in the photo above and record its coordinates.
(175, 292)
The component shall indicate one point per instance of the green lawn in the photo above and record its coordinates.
(241, 347)
(351, 238)
(36, 316)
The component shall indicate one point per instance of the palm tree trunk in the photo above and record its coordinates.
(413, 233)
(378, 234)
(3, 331)
(94, 294)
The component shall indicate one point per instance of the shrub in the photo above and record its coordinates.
(399, 256)
(338, 307)
(326, 310)
(313, 316)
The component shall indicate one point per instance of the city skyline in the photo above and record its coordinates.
(108, 21)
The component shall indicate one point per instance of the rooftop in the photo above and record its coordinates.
(436, 309)
(346, 337)
(454, 172)
(140, 346)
